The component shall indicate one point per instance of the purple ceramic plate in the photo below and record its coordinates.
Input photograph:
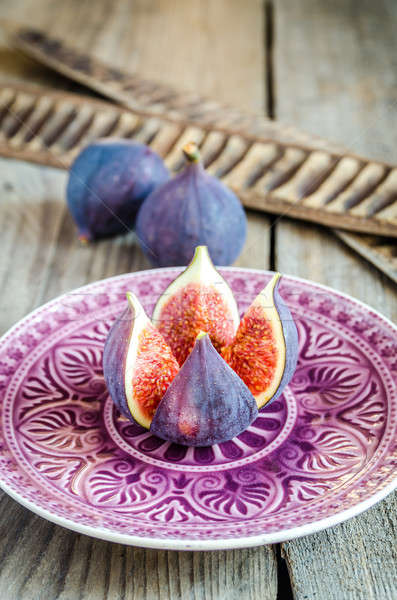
(325, 451)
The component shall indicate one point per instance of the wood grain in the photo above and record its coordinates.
(380, 251)
(332, 78)
(117, 85)
(137, 92)
(42, 561)
(354, 560)
(304, 179)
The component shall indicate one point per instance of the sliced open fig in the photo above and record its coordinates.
(138, 364)
(198, 300)
(206, 403)
(264, 351)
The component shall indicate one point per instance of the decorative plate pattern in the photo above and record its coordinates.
(326, 450)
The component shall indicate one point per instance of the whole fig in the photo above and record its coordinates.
(107, 184)
(192, 209)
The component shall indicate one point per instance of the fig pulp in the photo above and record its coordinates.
(107, 184)
(198, 300)
(264, 351)
(192, 209)
(138, 365)
(214, 389)
(206, 403)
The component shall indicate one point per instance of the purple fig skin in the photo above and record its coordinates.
(291, 342)
(108, 182)
(206, 403)
(192, 209)
(114, 359)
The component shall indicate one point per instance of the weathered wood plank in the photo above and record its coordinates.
(179, 42)
(41, 561)
(353, 561)
(381, 252)
(124, 89)
(334, 73)
(40, 239)
(322, 186)
(344, 56)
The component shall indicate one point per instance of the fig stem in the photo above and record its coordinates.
(84, 239)
(191, 152)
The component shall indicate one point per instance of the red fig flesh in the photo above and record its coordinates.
(198, 300)
(207, 403)
(264, 352)
(138, 364)
(226, 373)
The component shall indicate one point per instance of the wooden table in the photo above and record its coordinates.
(324, 65)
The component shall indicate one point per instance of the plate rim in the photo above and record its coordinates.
(174, 543)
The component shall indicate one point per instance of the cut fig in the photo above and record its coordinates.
(138, 364)
(198, 300)
(264, 352)
(206, 403)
